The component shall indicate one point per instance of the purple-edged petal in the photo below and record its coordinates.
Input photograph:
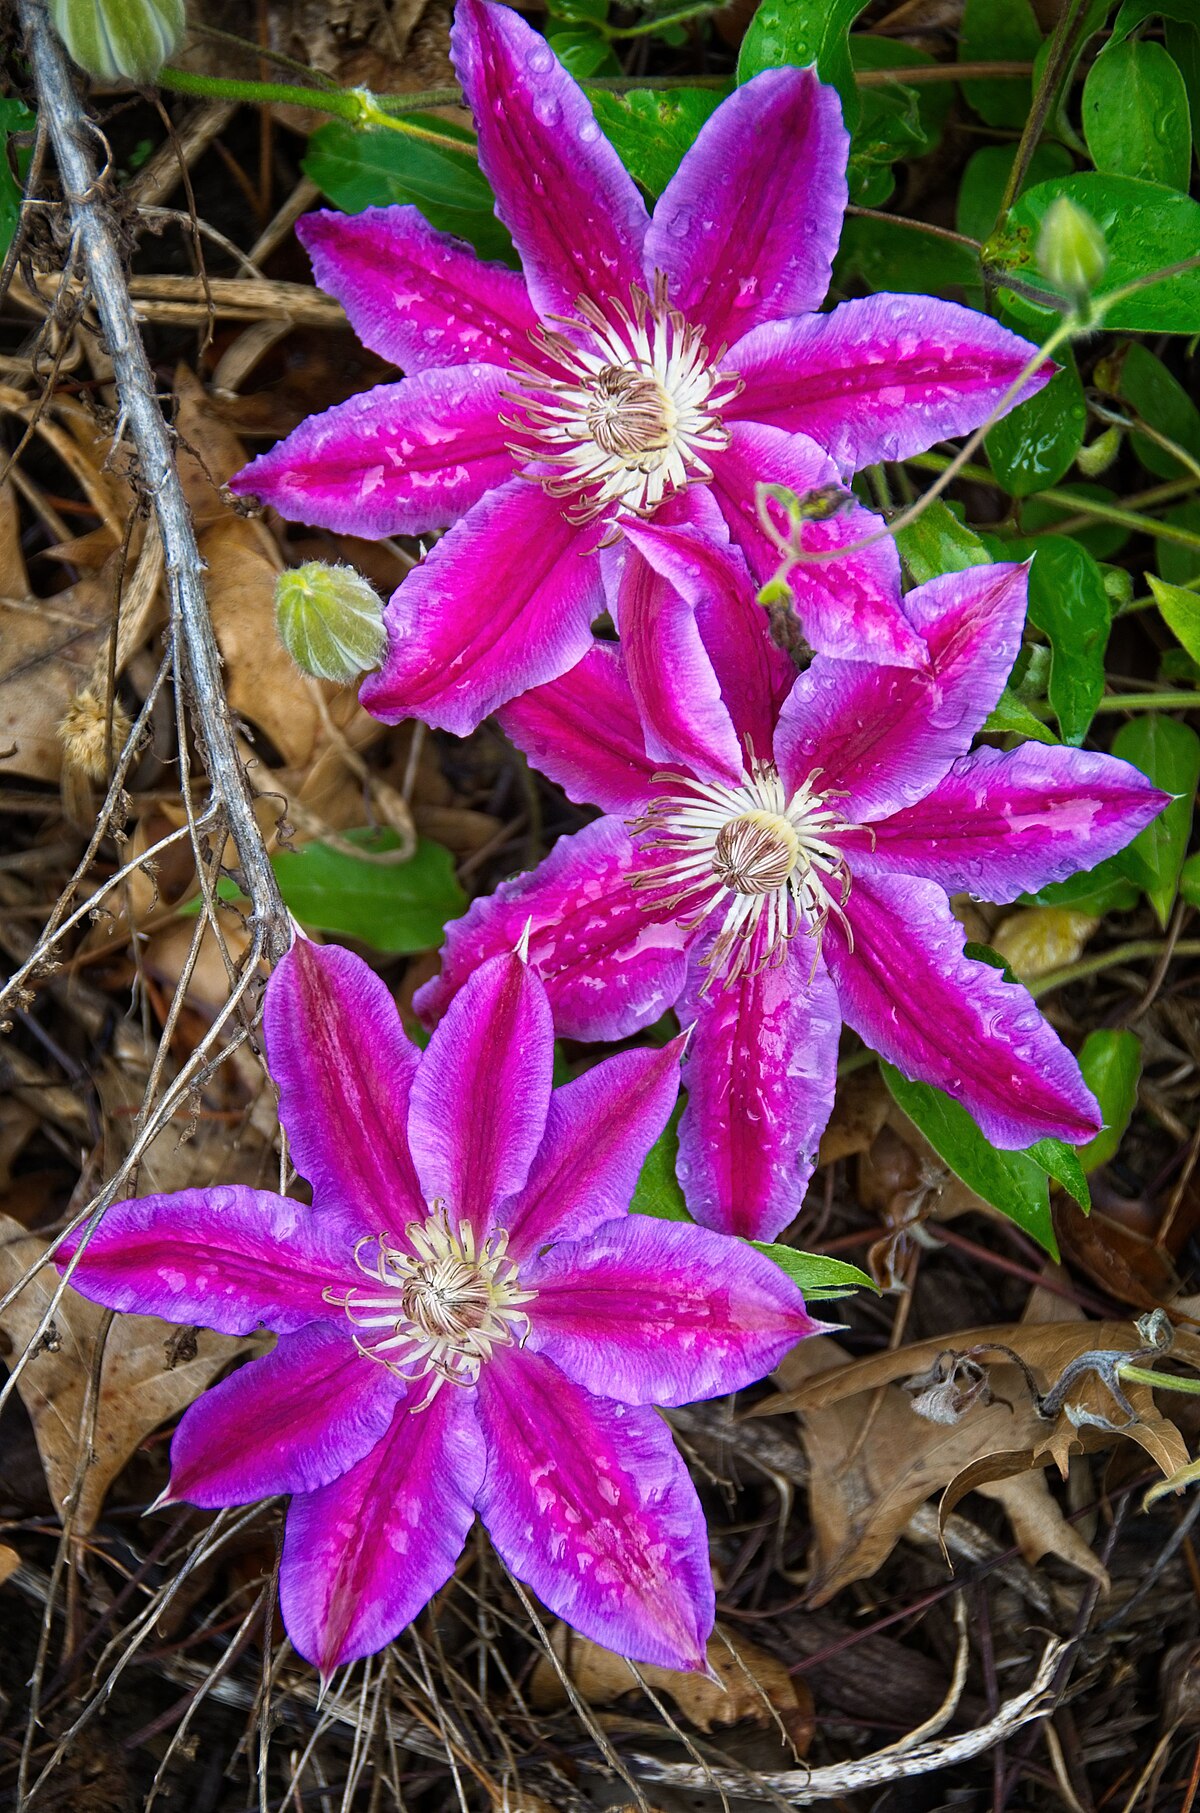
(684, 718)
(904, 985)
(573, 210)
(849, 606)
(1002, 824)
(396, 460)
(583, 731)
(504, 602)
(482, 1091)
(760, 1074)
(609, 968)
(657, 1312)
(225, 1258)
(598, 1131)
(881, 377)
(883, 737)
(343, 1066)
(364, 1555)
(589, 1503)
(747, 227)
(288, 1423)
(417, 296)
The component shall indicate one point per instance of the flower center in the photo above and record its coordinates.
(439, 1306)
(755, 853)
(761, 865)
(621, 408)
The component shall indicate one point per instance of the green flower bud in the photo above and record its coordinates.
(1099, 454)
(330, 621)
(114, 38)
(1071, 251)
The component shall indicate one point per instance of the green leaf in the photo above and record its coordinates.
(986, 176)
(584, 52)
(1146, 228)
(1112, 1066)
(658, 1192)
(1012, 716)
(1183, 42)
(14, 117)
(1189, 880)
(1135, 375)
(578, 12)
(1013, 1182)
(900, 120)
(651, 129)
(1168, 752)
(936, 542)
(1135, 114)
(1000, 31)
(799, 32)
(818, 1278)
(358, 170)
(1103, 889)
(1062, 1163)
(890, 255)
(934, 99)
(1177, 565)
(395, 907)
(1036, 443)
(1068, 603)
(1181, 612)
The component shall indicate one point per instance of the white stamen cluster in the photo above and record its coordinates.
(630, 411)
(448, 1301)
(773, 862)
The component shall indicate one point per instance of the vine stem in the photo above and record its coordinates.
(73, 137)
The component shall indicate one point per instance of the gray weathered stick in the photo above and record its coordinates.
(74, 140)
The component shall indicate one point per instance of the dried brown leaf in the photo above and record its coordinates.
(139, 1388)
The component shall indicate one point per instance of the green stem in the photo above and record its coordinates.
(354, 105)
(1142, 1375)
(649, 26)
(1136, 951)
(1151, 701)
(1083, 506)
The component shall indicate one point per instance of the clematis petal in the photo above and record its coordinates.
(364, 1555)
(1006, 823)
(760, 1075)
(416, 296)
(396, 460)
(343, 1066)
(657, 1312)
(608, 967)
(589, 1503)
(684, 718)
(883, 737)
(583, 731)
(481, 1094)
(573, 210)
(881, 377)
(287, 1423)
(226, 1258)
(747, 227)
(905, 986)
(849, 606)
(503, 602)
(598, 1131)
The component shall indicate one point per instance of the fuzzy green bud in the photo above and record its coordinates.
(330, 621)
(1071, 251)
(119, 38)
(1099, 454)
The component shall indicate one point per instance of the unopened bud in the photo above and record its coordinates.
(330, 621)
(91, 743)
(1071, 251)
(115, 38)
(1099, 454)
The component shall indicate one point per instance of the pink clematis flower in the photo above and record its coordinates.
(777, 859)
(637, 358)
(468, 1319)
